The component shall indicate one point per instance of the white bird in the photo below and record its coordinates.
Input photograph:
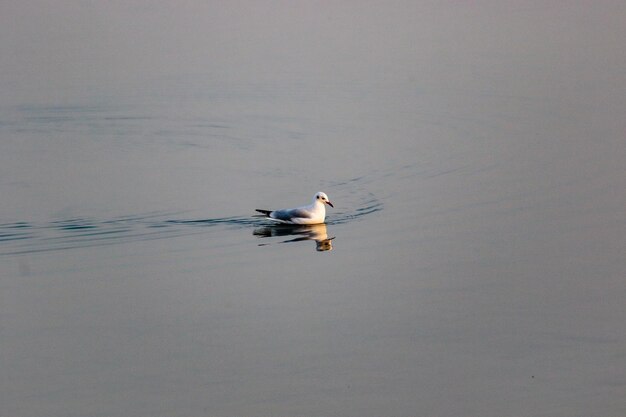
(311, 214)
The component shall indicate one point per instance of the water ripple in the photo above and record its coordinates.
(368, 206)
(25, 237)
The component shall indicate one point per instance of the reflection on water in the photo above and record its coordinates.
(315, 232)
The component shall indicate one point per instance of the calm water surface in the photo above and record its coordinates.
(473, 264)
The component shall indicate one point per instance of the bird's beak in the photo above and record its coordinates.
(330, 204)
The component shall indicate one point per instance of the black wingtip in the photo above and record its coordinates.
(266, 212)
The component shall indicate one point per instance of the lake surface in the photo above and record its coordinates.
(474, 263)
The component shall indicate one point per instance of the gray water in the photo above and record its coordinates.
(473, 265)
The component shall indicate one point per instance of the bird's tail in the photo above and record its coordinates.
(266, 212)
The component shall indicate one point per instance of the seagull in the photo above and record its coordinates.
(314, 213)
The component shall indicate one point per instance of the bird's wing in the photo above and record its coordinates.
(288, 215)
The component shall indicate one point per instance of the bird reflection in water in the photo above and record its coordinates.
(315, 232)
